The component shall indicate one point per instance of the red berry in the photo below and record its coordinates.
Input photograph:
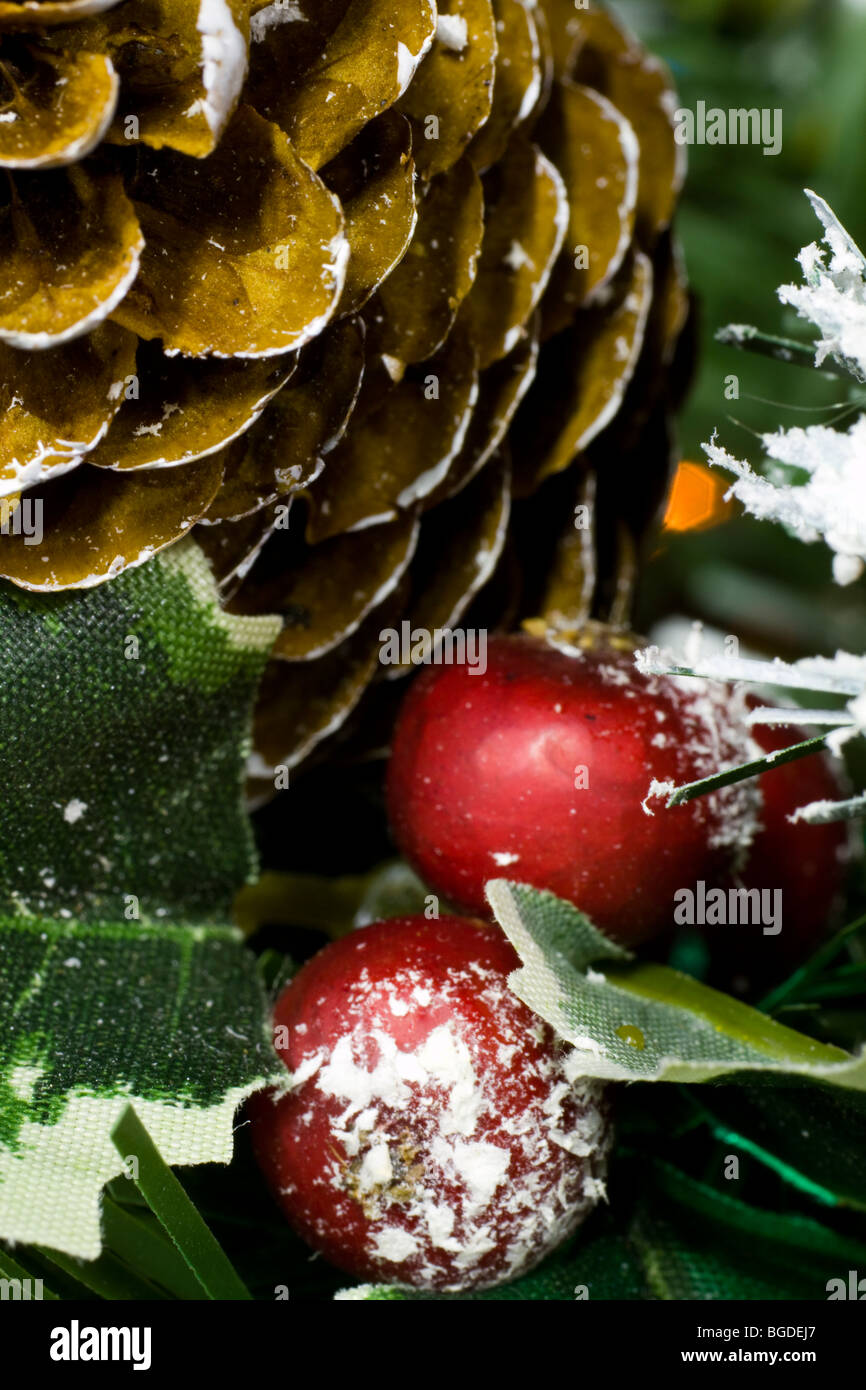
(536, 771)
(807, 863)
(435, 1133)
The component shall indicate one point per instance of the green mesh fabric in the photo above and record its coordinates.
(124, 718)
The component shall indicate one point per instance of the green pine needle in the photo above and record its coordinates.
(788, 350)
(689, 790)
(11, 1269)
(141, 1242)
(106, 1277)
(798, 984)
(168, 1201)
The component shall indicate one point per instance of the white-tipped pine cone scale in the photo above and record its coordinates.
(331, 282)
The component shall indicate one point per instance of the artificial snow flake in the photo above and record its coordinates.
(822, 812)
(834, 296)
(830, 504)
(843, 675)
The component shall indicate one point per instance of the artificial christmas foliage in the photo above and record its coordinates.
(123, 978)
(631, 1018)
(383, 302)
(812, 485)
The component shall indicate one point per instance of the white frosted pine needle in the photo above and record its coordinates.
(823, 812)
(829, 504)
(815, 485)
(843, 675)
(834, 295)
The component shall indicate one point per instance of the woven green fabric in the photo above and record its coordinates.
(124, 713)
(634, 1020)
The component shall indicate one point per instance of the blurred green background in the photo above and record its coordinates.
(742, 221)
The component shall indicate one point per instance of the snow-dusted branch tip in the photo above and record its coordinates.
(816, 483)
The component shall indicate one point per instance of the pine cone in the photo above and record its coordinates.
(333, 282)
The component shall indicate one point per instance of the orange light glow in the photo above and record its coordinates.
(696, 499)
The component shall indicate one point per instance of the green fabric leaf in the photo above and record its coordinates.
(124, 717)
(634, 1020)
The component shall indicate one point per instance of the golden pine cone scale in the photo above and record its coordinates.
(331, 283)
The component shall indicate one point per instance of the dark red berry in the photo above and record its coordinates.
(805, 864)
(538, 770)
(434, 1132)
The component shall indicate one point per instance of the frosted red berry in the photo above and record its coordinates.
(806, 864)
(434, 1131)
(538, 770)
